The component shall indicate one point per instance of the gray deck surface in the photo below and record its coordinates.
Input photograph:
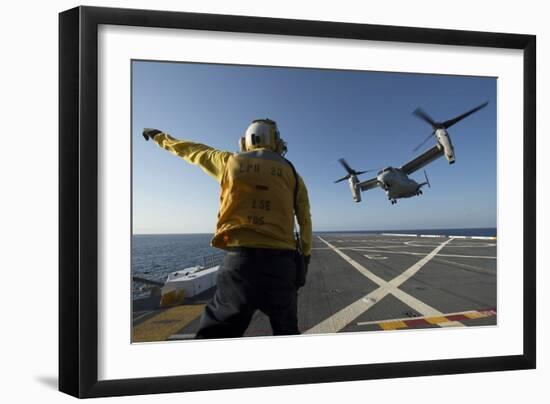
(461, 277)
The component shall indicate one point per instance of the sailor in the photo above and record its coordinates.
(260, 195)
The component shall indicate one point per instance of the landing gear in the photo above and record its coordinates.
(393, 201)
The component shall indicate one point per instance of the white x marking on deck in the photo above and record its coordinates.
(339, 320)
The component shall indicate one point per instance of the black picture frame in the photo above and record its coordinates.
(78, 201)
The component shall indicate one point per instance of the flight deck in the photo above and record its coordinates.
(367, 282)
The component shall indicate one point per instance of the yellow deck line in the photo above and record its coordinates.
(393, 325)
(436, 320)
(414, 318)
(442, 321)
(475, 315)
(163, 325)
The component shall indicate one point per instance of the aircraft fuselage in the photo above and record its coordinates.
(397, 184)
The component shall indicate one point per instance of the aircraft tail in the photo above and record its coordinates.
(427, 182)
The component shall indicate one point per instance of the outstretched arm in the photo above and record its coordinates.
(212, 161)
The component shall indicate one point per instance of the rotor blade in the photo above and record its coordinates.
(422, 144)
(346, 166)
(368, 171)
(427, 180)
(419, 112)
(451, 122)
(342, 179)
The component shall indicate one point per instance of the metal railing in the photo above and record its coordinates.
(211, 260)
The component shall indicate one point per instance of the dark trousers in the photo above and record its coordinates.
(250, 280)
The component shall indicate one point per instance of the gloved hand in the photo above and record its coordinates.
(307, 258)
(302, 262)
(149, 133)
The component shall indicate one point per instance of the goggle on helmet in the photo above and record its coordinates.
(263, 134)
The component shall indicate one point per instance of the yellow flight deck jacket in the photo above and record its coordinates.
(257, 196)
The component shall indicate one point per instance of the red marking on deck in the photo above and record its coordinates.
(457, 317)
(416, 322)
(421, 321)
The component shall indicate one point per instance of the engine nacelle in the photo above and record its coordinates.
(355, 191)
(450, 156)
(445, 143)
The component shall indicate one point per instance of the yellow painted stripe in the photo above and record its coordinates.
(167, 323)
(172, 298)
(437, 320)
(442, 321)
(451, 324)
(475, 314)
(393, 325)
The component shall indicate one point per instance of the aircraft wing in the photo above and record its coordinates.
(368, 184)
(425, 158)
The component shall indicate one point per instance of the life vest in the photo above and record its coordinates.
(257, 194)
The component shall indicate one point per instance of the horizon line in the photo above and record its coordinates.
(330, 231)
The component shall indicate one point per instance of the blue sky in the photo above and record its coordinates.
(323, 115)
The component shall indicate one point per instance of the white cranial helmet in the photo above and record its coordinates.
(263, 134)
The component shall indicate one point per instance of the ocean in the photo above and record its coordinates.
(154, 256)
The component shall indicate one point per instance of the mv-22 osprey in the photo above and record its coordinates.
(396, 181)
